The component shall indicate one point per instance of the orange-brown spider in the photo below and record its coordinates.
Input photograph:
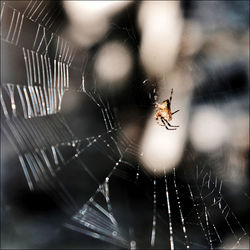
(163, 111)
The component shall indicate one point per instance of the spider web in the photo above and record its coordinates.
(113, 199)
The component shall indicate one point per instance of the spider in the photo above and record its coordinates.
(163, 111)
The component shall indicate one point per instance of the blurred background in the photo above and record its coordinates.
(126, 51)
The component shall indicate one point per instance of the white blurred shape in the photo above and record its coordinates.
(209, 129)
(96, 6)
(239, 136)
(113, 63)
(89, 20)
(161, 26)
(230, 243)
(161, 148)
(237, 160)
(192, 39)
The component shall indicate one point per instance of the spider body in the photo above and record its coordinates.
(164, 113)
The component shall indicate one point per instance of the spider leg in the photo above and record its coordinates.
(163, 121)
(170, 124)
(175, 111)
(170, 99)
(159, 122)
